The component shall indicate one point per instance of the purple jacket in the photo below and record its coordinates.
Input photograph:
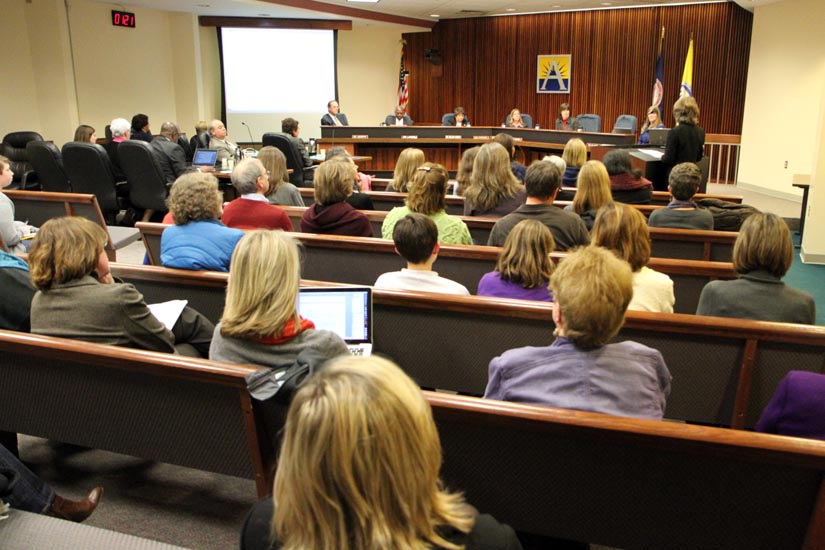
(336, 219)
(797, 408)
(491, 284)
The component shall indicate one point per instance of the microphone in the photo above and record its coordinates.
(250, 133)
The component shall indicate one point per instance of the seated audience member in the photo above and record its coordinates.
(400, 118)
(291, 128)
(252, 209)
(626, 184)
(217, 140)
(580, 369)
(362, 418)
(797, 408)
(357, 199)
(260, 324)
(574, 156)
(458, 118)
(524, 266)
(331, 213)
(29, 493)
(558, 162)
(566, 120)
(682, 212)
(494, 191)
(334, 117)
(281, 191)
(507, 141)
(623, 230)
(465, 169)
(78, 298)
(426, 196)
(198, 240)
(140, 128)
(542, 184)
(170, 155)
(120, 133)
(762, 254)
(416, 240)
(17, 291)
(408, 162)
(653, 120)
(85, 134)
(592, 193)
(514, 119)
(16, 234)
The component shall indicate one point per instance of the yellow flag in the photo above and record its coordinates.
(687, 75)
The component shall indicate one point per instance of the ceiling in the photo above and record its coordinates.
(424, 10)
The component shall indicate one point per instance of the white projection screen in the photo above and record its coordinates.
(271, 74)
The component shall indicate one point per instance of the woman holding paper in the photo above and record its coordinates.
(78, 298)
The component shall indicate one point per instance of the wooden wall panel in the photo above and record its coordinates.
(489, 64)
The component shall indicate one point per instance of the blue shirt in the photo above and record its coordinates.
(199, 245)
(623, 379)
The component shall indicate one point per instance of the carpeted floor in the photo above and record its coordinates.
(810, 278)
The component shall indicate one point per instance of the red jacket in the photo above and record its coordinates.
(252, 214)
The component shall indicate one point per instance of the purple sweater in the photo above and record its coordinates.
(797, 408)
(491, 284)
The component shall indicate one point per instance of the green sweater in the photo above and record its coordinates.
(451, 230)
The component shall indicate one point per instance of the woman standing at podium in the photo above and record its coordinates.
(686, 142)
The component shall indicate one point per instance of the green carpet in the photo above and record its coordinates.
(810, 278)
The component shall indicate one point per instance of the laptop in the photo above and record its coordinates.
(658, 136)
(205, 157)
(346, 311)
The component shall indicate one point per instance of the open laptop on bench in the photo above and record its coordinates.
(346, 311)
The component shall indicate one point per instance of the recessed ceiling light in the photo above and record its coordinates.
(511, 9)
(606, 4)
(434, 15)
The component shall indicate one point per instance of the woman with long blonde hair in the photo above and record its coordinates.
(494, 190)
(653, 119)
(408, 161)
(426, 196)
(574, 156)
(359, 470)
(281, 191)
(524, 265)
(260, 323)
(592, 192)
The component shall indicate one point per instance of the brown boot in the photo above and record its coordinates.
(76, 510)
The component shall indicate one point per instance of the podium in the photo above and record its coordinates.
(651, 166)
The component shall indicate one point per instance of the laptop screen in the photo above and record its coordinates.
(346, 311)
(658, 136)
(205, 157)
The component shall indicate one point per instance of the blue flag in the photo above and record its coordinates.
(659, 76)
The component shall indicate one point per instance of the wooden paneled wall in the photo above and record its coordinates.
(489, 64)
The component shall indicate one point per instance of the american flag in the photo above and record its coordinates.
(403, 94)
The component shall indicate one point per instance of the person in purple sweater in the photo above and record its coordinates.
(797, 408)
(524, 265)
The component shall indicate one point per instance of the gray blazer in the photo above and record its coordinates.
(171, 158)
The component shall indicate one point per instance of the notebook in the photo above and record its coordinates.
(658, 136)
(346, 311)
(205, 157)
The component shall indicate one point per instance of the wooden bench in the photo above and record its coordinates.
(37, 207)
(360, 260)
(724, 370)
(190, 412)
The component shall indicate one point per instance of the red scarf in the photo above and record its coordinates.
(288, 333)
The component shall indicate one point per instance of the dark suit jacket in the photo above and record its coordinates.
(450, 121)
(685, 143)
(573, 124)
(111, 150)
(390, 120)
(326, 120)
(171, 157)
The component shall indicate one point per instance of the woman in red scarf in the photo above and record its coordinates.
(626, 185)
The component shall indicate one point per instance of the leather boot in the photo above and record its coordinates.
(76, 510)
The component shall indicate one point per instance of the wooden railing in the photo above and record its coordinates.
(723, 150)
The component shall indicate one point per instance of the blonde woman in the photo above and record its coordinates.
(494, 190)
(514, 119)
(331, 214)
(623, 229)
(281, 191)
(426, 196)
(653, 120)
(574, 155)
(409, 159)
(359, 470)
(260, 323)
(465, 169)
(524, 265)
(592, 193)
(762, 255)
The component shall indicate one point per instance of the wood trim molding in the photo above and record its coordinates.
(347, 11)
(274, 23)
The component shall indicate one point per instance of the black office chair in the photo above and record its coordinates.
(48, 164)
(90, 171)
(293, 158)
(200, 141)
(187, 149)
(147, 183)
(14, 149)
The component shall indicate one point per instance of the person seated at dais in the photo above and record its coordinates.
(334, 117)
(682, 212)
(217, 140)
(566, 120)
(457, 118)
(653, 120)
(514, 119)
(400, 118)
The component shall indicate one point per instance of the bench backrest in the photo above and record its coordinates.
(724, 371)
(360, 260)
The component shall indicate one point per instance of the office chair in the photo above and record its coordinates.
(293, 158)
(627, 122)
(590, 122)
(147, 183)
(90, 171)
(48, 164)
(14, 149)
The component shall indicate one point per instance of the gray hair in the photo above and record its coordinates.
(119, 127)
(556, 160)
(245, 176)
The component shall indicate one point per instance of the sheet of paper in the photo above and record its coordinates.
(658, 153)
(169, 312)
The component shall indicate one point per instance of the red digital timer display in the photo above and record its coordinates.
(123, 19)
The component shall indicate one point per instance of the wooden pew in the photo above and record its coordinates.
(190, 412)
(630, 483)
(724, 370)
(37, 207)
(360, 260)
